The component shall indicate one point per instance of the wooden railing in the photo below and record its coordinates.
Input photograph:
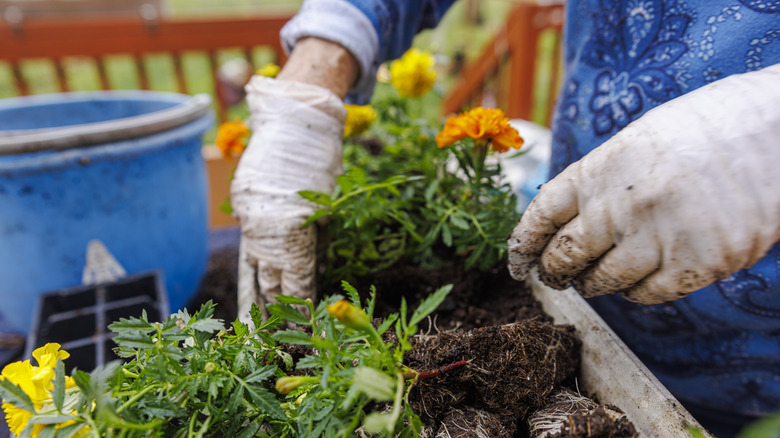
(99, 38)
(519, 70)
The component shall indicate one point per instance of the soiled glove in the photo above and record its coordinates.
(296, 139)
(682, 197)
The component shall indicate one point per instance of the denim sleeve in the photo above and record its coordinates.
(374, 31)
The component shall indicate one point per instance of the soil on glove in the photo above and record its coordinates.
(516, 358)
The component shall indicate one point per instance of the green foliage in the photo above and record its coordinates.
(190, 376)
(402, 198)
(766, 427)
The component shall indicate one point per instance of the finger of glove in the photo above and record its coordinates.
(621, 268)
(287, 263)
(553, 207)
(577, 245)
(669, 284)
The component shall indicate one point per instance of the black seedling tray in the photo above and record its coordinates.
(78, 318)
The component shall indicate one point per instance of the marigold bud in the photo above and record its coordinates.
(286, 384)
(350, 315)
(209, 367)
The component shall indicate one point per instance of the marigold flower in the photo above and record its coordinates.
(481, 124)
(350, 315)
(286, 384)
(359, 117)
(269, 70)
(232, 137)
(413, 74)
(36, 381)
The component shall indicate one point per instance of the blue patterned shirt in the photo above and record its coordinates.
(719, 348)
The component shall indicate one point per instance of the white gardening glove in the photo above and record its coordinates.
(296, 139)
(682, 197)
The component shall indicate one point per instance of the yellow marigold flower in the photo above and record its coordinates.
(413, 74)
(481, 124)
(286, 384)
(232, 137)
(36, 381)
(350, 315)
(359, 117)
(269, 70)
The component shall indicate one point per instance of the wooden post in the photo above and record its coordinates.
(523, 38)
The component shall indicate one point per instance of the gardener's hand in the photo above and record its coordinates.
(684, 196)
(297, 122)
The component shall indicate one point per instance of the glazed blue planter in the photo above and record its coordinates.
(121, 167)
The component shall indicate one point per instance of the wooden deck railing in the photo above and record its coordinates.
(99, 38)
(513, 73)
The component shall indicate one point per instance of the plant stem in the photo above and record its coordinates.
(399, 394)
(137, 396)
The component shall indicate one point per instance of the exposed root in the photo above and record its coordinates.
(472, 423)
(572, 415)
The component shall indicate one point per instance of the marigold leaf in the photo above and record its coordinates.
(46, 432)
(69, 431)
(293, 337)
(240, 329)
(236, 395)
(15, 395)
(374, 383)
(314, 217)
(428, 305)
(378, 423)
(256, 315)
(208, 325)
(261, 374)
(459, 222)
(287, 313)
(50, 418)
(249, 431)
(266, 401)
(387, 323)
(354, 296)
(446, 235)
(289, 299)
(130, 324)
(135, 340)
(58, 393)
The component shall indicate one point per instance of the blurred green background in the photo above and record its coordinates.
(458, 39)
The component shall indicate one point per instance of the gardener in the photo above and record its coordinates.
(677, 106)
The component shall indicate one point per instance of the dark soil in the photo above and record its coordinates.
(516, 357)
(512, 370)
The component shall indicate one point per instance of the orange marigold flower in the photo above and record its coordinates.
(232, 137)
(481, 124)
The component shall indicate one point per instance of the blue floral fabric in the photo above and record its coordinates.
(398, 21)
(719, 348)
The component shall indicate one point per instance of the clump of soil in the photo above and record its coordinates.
(511, 371)
(571, 415)
(468, 422)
